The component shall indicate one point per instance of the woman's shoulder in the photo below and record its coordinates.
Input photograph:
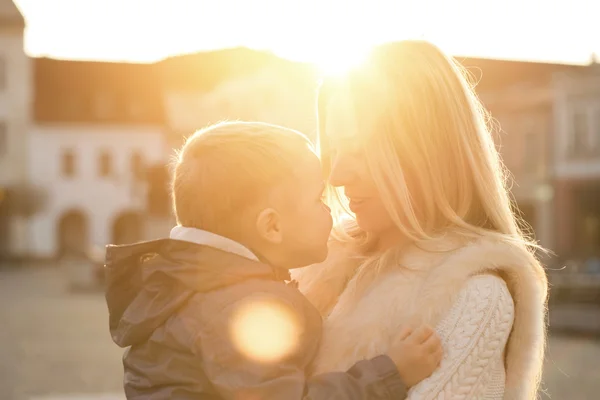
(487, 283)
(483, 300)
(485, 260)
(474, 333)
(486, 289)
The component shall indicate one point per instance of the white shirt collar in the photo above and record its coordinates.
(210, 239)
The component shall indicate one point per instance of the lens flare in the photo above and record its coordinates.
(338, 63)
(265, 331)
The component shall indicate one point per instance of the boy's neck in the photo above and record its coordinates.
(242, 245)
(212, 239)
(262, 251)
(266, 253)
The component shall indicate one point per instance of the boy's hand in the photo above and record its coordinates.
(416, 353)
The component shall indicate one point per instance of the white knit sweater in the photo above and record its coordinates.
(474, 335)
(486, 300)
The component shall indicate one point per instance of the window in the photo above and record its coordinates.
(3, 139)
(580, 132)
(597, 129)
(3, 72)
(105, 164)
(137, 166)
(68, 163)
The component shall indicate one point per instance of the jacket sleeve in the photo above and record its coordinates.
(237, 355)
(474, 335)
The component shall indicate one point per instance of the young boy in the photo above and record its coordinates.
(207, 313)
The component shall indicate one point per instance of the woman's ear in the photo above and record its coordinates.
(268, 226)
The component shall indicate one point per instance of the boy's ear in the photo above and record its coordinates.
(268, 225)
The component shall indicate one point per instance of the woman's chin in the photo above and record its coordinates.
(374, 225)
(366, 224)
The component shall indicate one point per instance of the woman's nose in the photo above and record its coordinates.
(341, 172)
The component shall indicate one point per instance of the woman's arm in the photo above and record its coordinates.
(474, 335)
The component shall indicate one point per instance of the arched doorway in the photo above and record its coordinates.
(127, 228)
(73, 233)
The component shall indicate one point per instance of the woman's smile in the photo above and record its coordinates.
(358, 203)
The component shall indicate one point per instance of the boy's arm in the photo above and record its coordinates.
(237, 375)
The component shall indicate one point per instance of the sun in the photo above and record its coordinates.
(340, 61)
(330, 59)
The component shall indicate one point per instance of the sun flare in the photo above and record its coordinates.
(340, 62)
(265, 331)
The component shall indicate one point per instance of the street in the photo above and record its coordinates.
(54, 345)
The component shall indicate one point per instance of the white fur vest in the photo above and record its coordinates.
(363, 310)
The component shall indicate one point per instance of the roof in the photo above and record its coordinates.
(203, 71)
(103, 92)
(493, 74)
(10, 16)
(96, 92)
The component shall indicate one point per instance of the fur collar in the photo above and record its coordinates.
(443, 268)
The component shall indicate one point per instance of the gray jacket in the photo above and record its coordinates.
(172, 302)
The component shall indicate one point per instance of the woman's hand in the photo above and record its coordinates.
(416, 353)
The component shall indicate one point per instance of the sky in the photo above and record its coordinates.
(320, 31)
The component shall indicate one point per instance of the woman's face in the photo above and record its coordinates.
(349, 167)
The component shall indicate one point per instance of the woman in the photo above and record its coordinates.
(432, 235)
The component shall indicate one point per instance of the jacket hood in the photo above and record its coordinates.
(147, 282)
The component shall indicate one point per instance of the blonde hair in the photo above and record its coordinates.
(428, 145)
(224, 168)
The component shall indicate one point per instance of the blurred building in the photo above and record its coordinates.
(236, 84)
(77, 140)
(15, 100)
(520, 97)
(187, 79)
(577, 161)
(84, 146)
(283, 94)
(96, 127)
